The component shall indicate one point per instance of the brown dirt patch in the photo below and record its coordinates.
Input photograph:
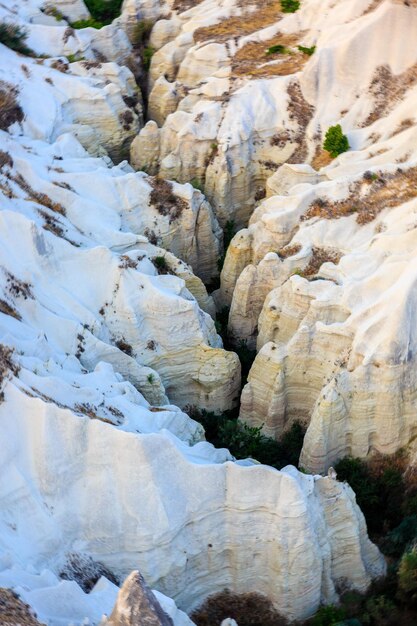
(368, 197)
(14, 612)
(267, 12)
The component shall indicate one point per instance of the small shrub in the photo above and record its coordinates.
(161, 265)
(407, 577)
(74, 58)
(14, 37)
(148, 53)
(290, 6)
(150, 378)
(308, 51)
(335, 142)
(85, 571)
(277, 49)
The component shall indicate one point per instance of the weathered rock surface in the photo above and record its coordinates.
(136, 605)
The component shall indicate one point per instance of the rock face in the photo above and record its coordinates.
(102, 327)
(136, 605)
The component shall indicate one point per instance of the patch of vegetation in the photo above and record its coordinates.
(147, 55)
(248, 609)
(85, 571)
(229, 232)
(150, 378)
(88, 23)
(290, 6)
(335, 142)
(306, 50)
(382, 492)
(74, 58)
(14, 37)
(161, 265)
(124, 347)
(50, 9)
(141, 32)
(104, 11)
(243, 441)
(278, 49)
(197, 184)
(10, 109)
(164, 200)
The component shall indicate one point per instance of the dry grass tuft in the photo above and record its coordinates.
(10, 109)
(368, 198)
(5, 159)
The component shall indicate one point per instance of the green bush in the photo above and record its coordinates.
(335, 142)
(290, 6)
(328, 616)
(14, 37)
(277, 49)
(308, 51)
(225, 431)
(379, 487)
(104, 11)
(407, 577)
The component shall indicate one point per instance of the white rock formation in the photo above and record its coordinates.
(101, 328)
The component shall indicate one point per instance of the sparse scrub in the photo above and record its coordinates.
(243, 441)
(88, 23)
(14, 37)
(335, 142)
(164, 200)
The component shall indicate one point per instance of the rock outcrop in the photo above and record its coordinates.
(136, 604)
